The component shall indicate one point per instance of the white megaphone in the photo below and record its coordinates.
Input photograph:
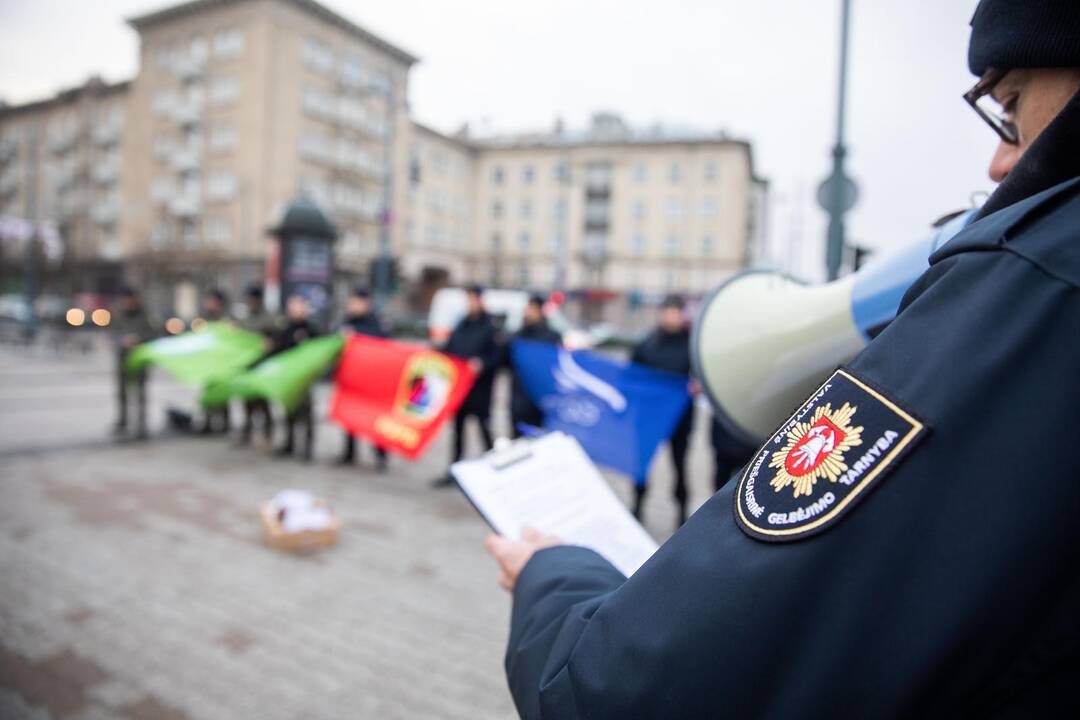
(763, 341)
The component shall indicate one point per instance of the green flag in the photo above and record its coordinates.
(210, 357)
(285, 377)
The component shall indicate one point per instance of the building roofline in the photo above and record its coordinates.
(97, 87)
(173, 12)
(463, 142)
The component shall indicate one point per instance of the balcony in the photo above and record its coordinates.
(185, 205)
(185, 160)
(105, 213)
(107, 135)
(60, 144)
(106, 172)
(187, 69)
(187, 115)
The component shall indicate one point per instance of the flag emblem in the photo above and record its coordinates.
(425, 386)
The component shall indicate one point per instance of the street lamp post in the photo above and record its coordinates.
(837, 194)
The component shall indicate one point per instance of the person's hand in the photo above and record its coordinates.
(512, 555)
(476, 365)
(693, 387)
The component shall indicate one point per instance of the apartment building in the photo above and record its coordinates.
(238, 106)
(60, 169)
(605, 210)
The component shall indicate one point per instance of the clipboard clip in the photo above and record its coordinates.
(508, 452)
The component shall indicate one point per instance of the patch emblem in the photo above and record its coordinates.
(823, 460)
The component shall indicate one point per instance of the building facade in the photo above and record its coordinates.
(60, 169)
(240, 105)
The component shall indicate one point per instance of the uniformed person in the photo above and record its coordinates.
(474, 340)
(728, 454)
(298, 328)
(130, 326)
(361, 319)
(534, 328)
(215, 308)
(259, 320)
(667, 348)
(905, 544)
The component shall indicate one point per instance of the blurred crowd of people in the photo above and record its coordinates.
(476, 338)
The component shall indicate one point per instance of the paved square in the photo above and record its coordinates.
(135, 583)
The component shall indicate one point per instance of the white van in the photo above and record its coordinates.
(449, 305)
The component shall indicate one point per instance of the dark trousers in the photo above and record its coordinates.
(216, 420)
(130, 387)
(349, 452)
(680, 444)
(259, 406)
(302, 415)
(459, 433)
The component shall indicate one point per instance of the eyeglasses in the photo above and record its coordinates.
(982, 101)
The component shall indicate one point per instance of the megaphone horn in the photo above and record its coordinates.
(763, 341)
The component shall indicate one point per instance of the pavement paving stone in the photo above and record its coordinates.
(136, 575)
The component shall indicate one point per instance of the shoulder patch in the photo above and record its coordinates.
(823, 460)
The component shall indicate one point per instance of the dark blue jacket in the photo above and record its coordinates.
(940, 582)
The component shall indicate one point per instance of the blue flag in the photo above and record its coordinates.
(619, 412)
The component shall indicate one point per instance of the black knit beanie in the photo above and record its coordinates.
(1008, 34)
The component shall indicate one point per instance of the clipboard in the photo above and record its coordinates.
(548, 483)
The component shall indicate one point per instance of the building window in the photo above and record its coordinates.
(675, 172)
(641, 172)
(161, 188)
(707, 246)
(432, 236)
(220, 186)
(199, 49)
(222, 139)
(672, 246)
(640, 209)
(524, 243)
(229, 44)
(496, 209)
(528, 174)
(163, 102)
(556, 242)
(218, 231)
(523, 275)
(318, 56)
(558, 209)
(526, 209)
(496, 243)
(224, 91)
(709, 207)
(160, 234)
(497, 175)
(562, 172)
(163, 146)
(710, 171)
(637, 244)
(674, 209)
(165, 57)
(352, 71)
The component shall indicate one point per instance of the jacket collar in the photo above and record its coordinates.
(992, 231)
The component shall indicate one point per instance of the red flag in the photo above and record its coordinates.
(397, 395)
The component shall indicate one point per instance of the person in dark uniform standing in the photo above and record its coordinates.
(535, 328)
(473, 340)
(215, 309)
(903, 546)
(728, 454)
(298, 328)
(130, 326)
(667, 348)
(361, 319)
(259, 320)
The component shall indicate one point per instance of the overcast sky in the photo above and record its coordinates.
(764, 70)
